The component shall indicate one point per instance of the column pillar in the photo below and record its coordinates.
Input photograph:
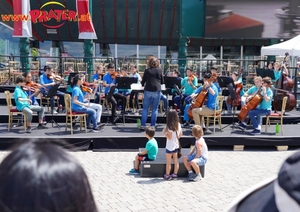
(88, 57)
(24, 45)
(182, 52)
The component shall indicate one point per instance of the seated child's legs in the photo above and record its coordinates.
(196, 162)
(144, 157)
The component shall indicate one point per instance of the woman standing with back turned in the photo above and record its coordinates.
(153, 79)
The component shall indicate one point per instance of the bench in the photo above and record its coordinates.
(157, 168)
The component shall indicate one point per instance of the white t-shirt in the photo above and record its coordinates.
(173, 144)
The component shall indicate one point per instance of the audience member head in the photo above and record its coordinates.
(150, 132)
(197, 131)
(172, 120)
(40, 176)
(279, 194)
(153, 62)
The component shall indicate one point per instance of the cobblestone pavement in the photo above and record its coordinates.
(227, 174)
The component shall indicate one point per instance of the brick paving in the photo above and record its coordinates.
(228, 173)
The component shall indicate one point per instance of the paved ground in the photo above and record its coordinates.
(227, 174)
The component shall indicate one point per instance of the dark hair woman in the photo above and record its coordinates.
(40, 176)
(153, 79)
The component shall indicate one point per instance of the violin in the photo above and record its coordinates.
(54, 77)
(86, 89)
(32, 84)
(191, 78)
(114, 75)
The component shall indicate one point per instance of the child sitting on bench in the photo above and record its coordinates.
(150, 152)
(197, 156)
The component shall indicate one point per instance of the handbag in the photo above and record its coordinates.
(179, 154)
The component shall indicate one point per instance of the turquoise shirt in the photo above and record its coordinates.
(77, 92)
(69, 87)
(107, 78)
(266, 105)
(277, 76)
(19, 93)
(188, 90)
(152, 149)
(252, 90)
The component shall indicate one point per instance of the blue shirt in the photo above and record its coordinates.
(211, 99)
(45, 80)
(188, 90)
(217, 86)
(77, 92)
(95, 77)
(266, 105)
(19, 93)
(107, 78)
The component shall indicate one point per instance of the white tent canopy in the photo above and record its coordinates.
(291, 46)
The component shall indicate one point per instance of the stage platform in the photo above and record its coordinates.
(129, 137)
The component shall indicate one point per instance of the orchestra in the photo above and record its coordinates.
(196, 101)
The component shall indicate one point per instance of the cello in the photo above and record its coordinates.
(251, 105)
(284, 86)
(197, 102)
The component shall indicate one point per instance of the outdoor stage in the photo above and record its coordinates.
(127, 136)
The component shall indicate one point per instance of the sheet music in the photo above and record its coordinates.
(137, 86)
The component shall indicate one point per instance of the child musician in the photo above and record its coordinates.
(264, 109)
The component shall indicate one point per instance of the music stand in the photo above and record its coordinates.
(171, 81)
(227, 82)
(51, 93)
(265, 73)
(124, 83)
